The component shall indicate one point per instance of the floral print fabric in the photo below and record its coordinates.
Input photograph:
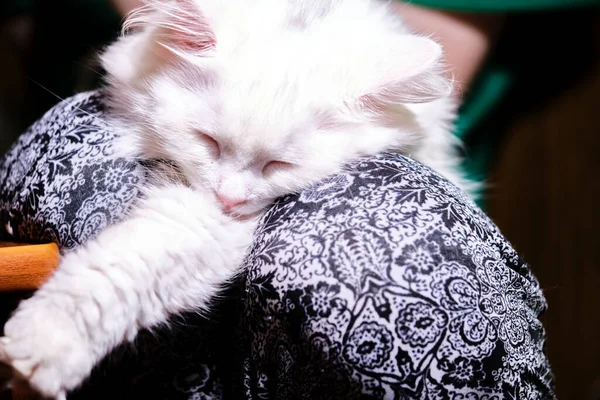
(382, 282)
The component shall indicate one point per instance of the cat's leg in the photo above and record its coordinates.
(172, 254)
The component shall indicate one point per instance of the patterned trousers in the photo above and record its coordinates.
(384, 281)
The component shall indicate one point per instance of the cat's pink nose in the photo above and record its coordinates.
(229, 203)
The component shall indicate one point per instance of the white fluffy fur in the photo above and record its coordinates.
(252, 100)
(171, 254)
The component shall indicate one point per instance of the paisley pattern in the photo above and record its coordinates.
(61, 181)
(381, 282)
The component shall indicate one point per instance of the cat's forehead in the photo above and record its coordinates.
(270, 107)
(294, 72)
(262, 127)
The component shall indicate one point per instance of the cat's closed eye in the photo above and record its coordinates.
(211, 142)
(276, 166)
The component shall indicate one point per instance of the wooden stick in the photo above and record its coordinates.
(26, 266)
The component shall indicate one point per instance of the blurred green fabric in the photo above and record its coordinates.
(494, 80)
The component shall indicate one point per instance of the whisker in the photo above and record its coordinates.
(63, 99)
(89, 67)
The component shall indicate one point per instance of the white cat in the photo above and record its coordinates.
(252, 100)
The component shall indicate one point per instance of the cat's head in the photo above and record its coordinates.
(253, 110)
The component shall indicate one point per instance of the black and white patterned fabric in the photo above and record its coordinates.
(61, 181)
(383, 282)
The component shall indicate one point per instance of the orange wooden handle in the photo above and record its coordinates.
(26, 267)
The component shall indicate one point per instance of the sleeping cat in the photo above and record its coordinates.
(250, 100)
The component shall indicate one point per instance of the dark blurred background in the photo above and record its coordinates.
(543, 174)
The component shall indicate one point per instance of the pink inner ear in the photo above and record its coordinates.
(410, 73)
(374, 103)
(188, 30)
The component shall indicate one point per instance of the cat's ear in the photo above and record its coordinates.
(161, 32)
(183, 28)
(411, 72)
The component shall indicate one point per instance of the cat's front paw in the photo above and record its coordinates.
(45, 348)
